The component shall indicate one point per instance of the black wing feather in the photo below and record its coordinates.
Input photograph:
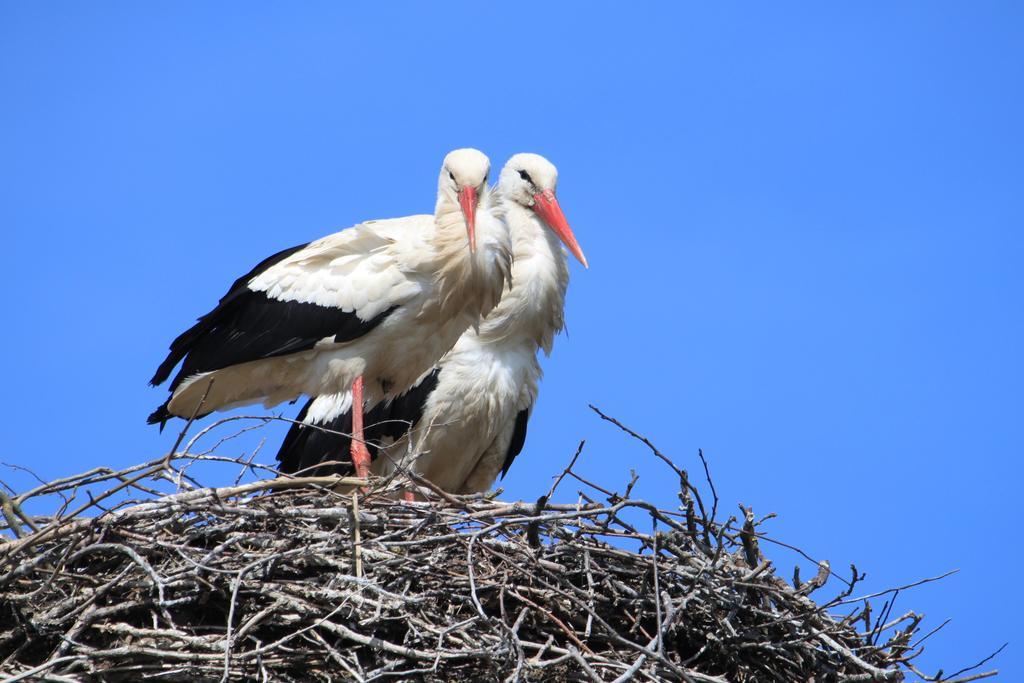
(518, 440)
(247, 325)
(306, 446)
(187, 339)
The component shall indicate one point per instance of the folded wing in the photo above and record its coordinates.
(330, 291)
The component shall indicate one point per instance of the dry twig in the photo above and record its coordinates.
(287, 580)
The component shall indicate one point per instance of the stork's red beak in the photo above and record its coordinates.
(468, 201)
(546, 206)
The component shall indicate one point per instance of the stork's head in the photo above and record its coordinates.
(531, 180)
(464, 175)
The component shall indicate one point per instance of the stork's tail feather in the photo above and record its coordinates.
(160, 416)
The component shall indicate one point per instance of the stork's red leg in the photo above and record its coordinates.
(409, 497)
(360, 455)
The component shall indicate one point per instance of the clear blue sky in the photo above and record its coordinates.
(804, 224)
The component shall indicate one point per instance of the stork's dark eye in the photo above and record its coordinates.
(526, 176)
(451, 175)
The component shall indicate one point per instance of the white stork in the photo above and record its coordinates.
(468, 415)
(382, 300)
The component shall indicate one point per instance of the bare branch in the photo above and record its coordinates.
(303, 578)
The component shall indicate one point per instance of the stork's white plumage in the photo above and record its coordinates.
(382, 300)
(468, 414)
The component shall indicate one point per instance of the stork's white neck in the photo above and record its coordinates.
(532, 310)
(469, 282)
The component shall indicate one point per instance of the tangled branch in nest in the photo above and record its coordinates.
(290, 580)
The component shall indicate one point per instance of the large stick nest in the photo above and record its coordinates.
(290, 580)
